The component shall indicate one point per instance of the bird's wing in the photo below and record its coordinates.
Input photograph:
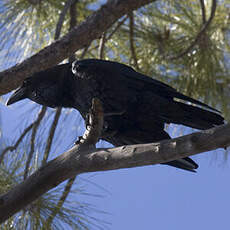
(130, 89)
(127, 73)
(161, 88)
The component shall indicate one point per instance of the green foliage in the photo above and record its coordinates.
(26, 28)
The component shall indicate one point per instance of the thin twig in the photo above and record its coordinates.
(60, 202)
(61, 19)
(73, 23)
(119, 24)
(84, 52)
(51, 135)
(199, 35)
(131, 40)
(73, 15)
(19, 140)
(14, 147)
(203, 11)
(32, 140)
(101, 53)
(113, 32)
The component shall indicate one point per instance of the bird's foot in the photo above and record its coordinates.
(78, 141)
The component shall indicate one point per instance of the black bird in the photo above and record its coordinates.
(136, 107)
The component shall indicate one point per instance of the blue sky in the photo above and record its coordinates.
(159, 197)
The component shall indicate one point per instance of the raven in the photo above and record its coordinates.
(136, 107)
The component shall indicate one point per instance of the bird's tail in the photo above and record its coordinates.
(196, 117)
(184, 163)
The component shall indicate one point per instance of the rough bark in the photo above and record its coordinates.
(85, 158)
(76, 39)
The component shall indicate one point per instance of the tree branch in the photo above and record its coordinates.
(72, 24)
(131, 40)
(119, 24)
(203, 11)
(51, 135)
(32, 140)
(76, 39)
(60, 203)
(14, 147)
(61, 19)
(26, 130)
(82, 159)
(101, 53)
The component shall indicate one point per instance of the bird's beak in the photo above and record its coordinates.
(18, 95)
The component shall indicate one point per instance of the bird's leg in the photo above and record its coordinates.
(106, 132)
(87, 117)
(87, 123)
(94, 124)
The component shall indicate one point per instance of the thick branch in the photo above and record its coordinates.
(81, 160)
(76, 39)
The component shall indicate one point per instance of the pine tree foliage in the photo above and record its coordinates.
(28, 26)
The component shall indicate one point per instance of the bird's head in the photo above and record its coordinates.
(45, 87)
